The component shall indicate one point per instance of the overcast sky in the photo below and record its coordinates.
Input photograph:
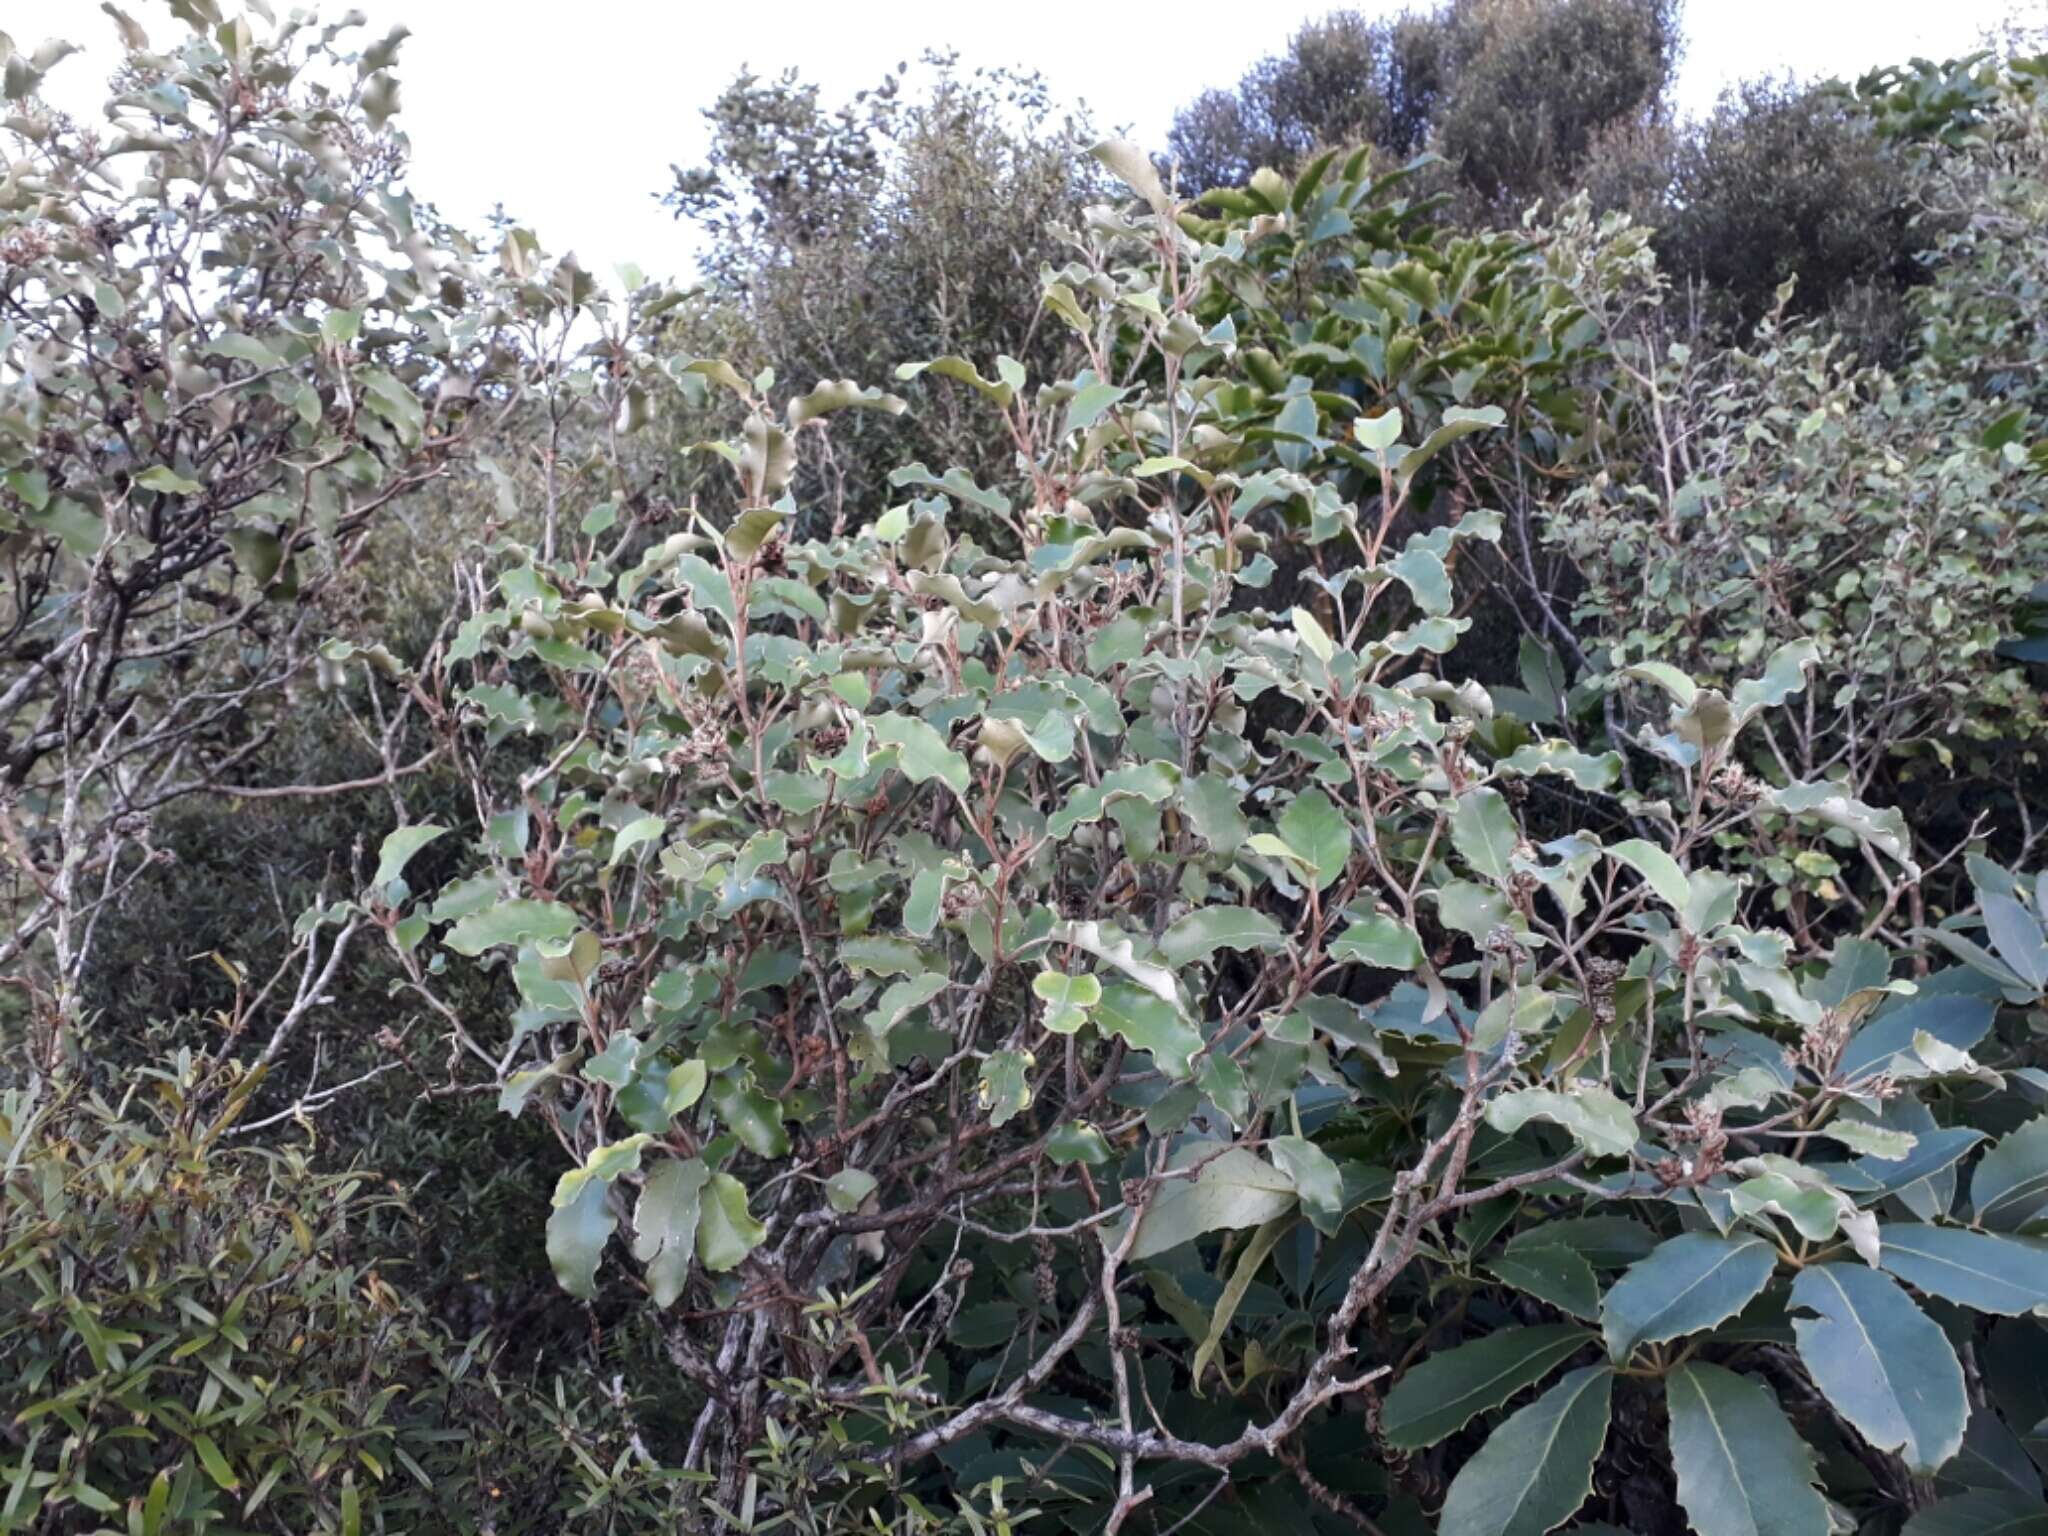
(570, 114)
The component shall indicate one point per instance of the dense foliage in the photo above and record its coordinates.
(1053, 858)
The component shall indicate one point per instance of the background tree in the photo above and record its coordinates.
(1513, 92)
(910, 222)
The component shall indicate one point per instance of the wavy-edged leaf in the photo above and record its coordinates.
(576, 1235)
(829, 395)
(1315, 828)
(665, 1225)
(1205, 930)
(1885, 1043)
(921, 752)
(726, 1231)
(1595, 1118)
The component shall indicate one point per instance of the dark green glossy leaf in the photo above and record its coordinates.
(1742, 1471)
(1536, 1469)
(1446, 1391)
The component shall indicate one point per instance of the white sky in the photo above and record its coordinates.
(571, 114)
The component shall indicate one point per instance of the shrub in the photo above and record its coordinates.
(1893, 515)
(193, 1331)
(197, 1332)
(1048, 1024)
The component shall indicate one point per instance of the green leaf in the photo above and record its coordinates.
(726, 1231)
(2009, 1190)
(1784, 675)
(1315, 828)
(1984, 1271)
(1002, 391)
(1316, 1179)
(2017, 937)
(159, 478)
(1202, 932)
(1067, 999)
(665, 1225)
(1657, 868)
(1483, 830)
(1312, 635)
(1133, 167)
(1151, 782)
(1459, 421)
(846, 1189)
(614, 1065)
(215, 1463)
(1422, 572)
(1152, 1024)
(1212, 806)
(1536, 1469)
(508, 922)
(1741, 1469)
(1981, 1512)
(1885, 1043)
(684, 1087)
(750, 1115)
(1005, 1088)
(1076, 1141)
(1445, 1392)
(1687, 1284)
(1556, 1275)
(1249, 1262)
(921, 752)
(1382, 940)
(1594, 1117)
(577, 1233)
(1234, 1189)
(1090, 402)
(1376, 434)
(640, 830)
(1884, 830)
(829, 395)
(398, 849)
(1886, 1368)
(709, 586)
(1605, 1242)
